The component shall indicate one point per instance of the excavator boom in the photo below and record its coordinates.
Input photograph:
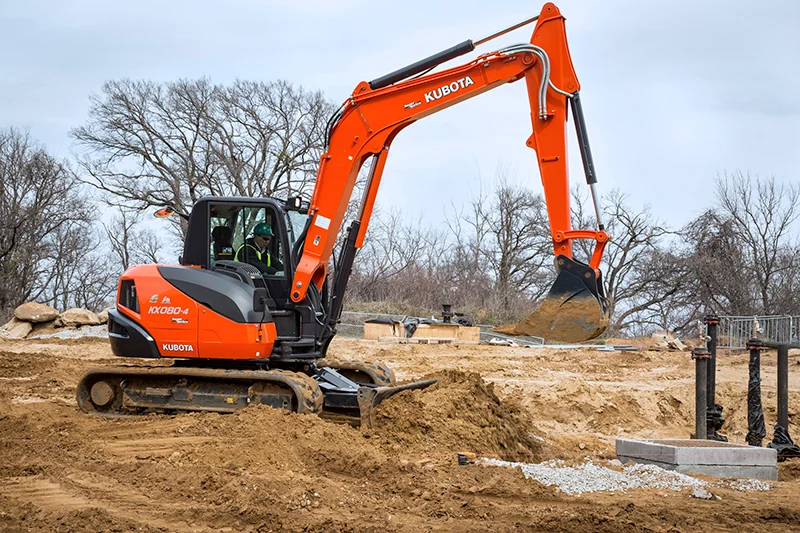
(367, 123)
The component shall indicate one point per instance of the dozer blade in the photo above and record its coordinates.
(370, 397)
(573, 311)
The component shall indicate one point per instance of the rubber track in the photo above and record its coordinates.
(306, 390)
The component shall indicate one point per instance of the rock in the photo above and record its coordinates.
(76, 317)
(701, 493)
(615, 462)
(103, 315)
(668, 341)
(676, 344)
(17, 329)
(35, 312)
(659, 341)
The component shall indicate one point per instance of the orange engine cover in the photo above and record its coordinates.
(184, 328)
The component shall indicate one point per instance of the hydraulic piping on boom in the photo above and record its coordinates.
(364, 127)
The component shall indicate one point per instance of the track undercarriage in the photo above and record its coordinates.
(341, 390)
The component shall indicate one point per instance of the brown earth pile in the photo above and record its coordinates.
(460, 412)
(262, 470)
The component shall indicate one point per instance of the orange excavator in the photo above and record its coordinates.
(240, 332)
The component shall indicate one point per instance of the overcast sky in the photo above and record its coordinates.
(673, 92)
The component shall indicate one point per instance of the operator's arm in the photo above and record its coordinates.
(276, 264)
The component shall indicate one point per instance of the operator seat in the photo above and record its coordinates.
(221, 237)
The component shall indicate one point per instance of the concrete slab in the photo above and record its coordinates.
(721, 459)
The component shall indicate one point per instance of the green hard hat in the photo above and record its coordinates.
(262, 228)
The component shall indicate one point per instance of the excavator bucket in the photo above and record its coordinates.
(370, 397)
(573, 311)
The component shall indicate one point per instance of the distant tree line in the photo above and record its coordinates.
(69, 228)
(741, 256)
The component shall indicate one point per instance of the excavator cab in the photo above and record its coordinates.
(231, 229)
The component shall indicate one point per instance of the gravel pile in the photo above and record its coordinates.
(85, 331)
(747, 485)
(589, 477)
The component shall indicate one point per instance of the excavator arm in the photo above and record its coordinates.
(367, 123)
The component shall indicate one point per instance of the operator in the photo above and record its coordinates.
(255, 251)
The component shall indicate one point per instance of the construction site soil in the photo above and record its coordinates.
(265, 470)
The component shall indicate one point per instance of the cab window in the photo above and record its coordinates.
(231, 229)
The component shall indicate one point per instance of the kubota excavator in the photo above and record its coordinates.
(237, 334)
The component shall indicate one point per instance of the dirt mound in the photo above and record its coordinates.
(263, 470)
(459, 413)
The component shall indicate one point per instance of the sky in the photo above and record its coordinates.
(674, 93)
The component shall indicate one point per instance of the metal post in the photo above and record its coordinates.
(711, 331)
(783, 386)
(781, 440)
(714, 418)
(701, 356)
(756, 431)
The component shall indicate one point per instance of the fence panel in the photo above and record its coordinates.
(734, 331)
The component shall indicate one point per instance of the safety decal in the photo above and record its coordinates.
(322, 222)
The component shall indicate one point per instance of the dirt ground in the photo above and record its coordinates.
(265, 470)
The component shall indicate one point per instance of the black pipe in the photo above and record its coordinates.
(583, 138)
(422, 65)
(700, 356)
(711, 331)
(756, 430)
(343, 270)
(783, 386)
(714, 419)
(776, 345)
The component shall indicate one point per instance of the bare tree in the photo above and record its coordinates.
(148, 144)
(739, 257)
(743, 254)
(267, 138)
(634, 275)
(388, 251)
(721, 275)
(131, 243)
(43, 214)
(762, 213)
(83, 274)
(512, 241)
